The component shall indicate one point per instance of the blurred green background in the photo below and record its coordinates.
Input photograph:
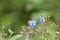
(15, 14)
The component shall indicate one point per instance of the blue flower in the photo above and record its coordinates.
(32, 23)
(42, 20)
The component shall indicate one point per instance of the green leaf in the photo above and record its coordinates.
(16, 37)
(10, 31)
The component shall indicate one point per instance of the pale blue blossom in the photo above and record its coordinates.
(42, 20)
(32, 23)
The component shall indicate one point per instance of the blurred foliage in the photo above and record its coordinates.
(15, 14)
(15, 37)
